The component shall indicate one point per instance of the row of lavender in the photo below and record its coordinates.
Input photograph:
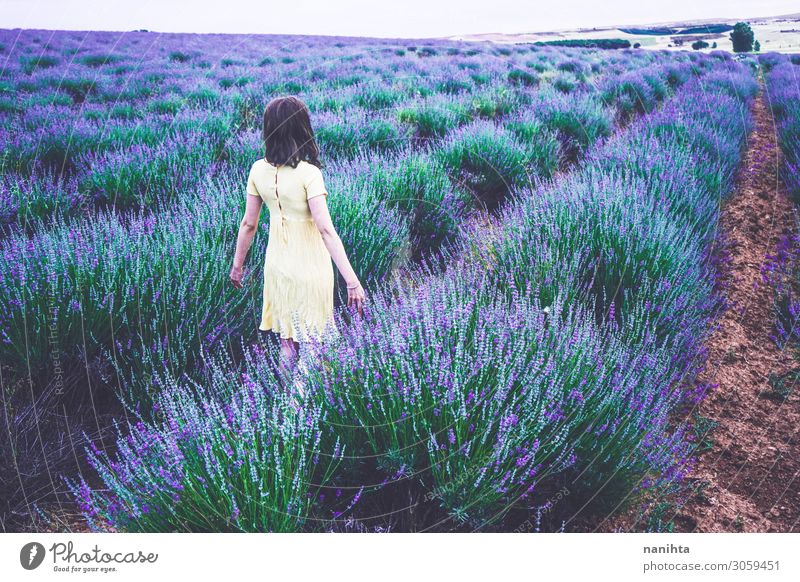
(552, 359)
(783, 87)
(782, 76)
(135, 119)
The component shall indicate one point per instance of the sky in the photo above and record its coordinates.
(376, 18)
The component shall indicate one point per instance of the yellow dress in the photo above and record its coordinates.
(298, 271)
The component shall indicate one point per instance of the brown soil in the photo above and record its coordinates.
(752, 469)
(748, 480)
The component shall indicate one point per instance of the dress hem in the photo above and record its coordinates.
(309, 338)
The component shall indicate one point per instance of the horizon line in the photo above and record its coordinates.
(454, 36)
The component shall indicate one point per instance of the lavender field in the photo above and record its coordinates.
(534, 226)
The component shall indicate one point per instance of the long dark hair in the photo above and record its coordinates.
(288, 137)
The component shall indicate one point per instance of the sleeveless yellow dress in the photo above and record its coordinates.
(298, 271)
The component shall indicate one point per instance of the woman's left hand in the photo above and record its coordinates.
(356, 298)
(236, 276)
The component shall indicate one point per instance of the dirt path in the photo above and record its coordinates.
(748, 480)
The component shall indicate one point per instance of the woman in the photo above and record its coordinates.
(298, 276)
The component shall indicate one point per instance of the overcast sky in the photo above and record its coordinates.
(404, 18)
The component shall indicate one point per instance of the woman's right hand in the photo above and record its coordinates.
(355, 297)
(236, 276)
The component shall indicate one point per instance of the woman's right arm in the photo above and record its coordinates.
(322, 218)
(247, 231)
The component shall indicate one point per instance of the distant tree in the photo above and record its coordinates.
(742, 38)
(699, 44)
(637, 44)
(757, 47)
(714, 44)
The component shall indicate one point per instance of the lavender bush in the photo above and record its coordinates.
(782, 76)
(613, 234)
(237, 454)
(783, 85)
(486, 401)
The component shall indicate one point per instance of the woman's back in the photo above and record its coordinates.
(286, 190)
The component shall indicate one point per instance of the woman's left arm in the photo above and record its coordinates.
(247, 231)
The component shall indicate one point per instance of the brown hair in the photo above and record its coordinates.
(288, 137)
